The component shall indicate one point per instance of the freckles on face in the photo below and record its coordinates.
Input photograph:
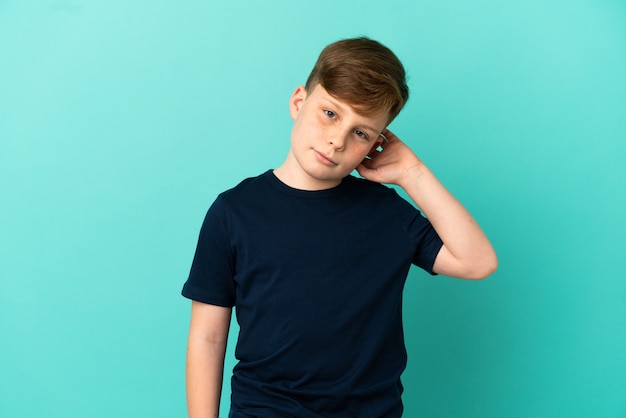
(329, 138)
(340, 123)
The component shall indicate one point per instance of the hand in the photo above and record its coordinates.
(466, 253)
(393, 164)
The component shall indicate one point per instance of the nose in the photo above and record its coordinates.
(337, 139)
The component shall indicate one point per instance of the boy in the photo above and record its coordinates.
(315, 259)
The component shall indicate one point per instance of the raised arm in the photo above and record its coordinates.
(208, 333)
(466, 253)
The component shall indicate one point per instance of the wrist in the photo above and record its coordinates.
(412, 174)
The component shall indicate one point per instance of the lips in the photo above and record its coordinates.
(325, 159)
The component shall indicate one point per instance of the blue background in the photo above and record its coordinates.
(120, 121)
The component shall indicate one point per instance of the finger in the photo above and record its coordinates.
(374, 153)
(370, 162)
(367, 172)
(363, 169)
(389, 135)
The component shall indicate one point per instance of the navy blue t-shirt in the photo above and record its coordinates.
(316, 278)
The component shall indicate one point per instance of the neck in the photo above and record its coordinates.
(291, 174)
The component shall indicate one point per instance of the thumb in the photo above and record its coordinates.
(366, 172)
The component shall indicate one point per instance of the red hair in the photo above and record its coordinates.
(363, 73)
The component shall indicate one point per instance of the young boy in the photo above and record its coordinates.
(315, 260)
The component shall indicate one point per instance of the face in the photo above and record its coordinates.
(328, 140)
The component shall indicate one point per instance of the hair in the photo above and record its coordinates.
(363, 73)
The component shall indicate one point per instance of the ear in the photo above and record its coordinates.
(296, 101)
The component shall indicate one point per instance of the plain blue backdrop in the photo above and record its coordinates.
(120, 121)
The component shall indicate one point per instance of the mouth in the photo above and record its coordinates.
(325, 159)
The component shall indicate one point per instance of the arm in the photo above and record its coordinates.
(466, 253)
(206, 349)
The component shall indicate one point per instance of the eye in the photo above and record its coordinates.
(360, 134)
(330, 113)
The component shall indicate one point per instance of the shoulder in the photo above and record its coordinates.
(384, 201)
(247, 188)
(245, 191)
(361, 185)
(363, 189)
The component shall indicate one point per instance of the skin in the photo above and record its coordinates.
(466, 252)
(206, 349)
(329, 140)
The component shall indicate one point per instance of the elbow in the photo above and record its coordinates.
(475, 266)
(481, 274)
(486, 268)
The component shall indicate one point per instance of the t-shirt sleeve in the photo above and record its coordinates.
(211, 279)
(422, 234)
(428, 244)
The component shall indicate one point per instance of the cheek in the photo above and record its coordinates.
(302, 131)
(359, 151)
